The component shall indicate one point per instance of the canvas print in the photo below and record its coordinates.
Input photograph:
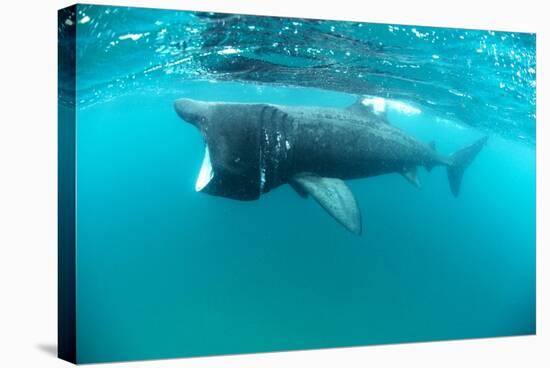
(241, 184)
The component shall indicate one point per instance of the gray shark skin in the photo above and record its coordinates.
(252, 149)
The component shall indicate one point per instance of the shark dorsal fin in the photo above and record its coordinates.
(367, 110)
(334, 196)
(359, 108)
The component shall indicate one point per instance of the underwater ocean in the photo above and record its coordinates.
(164, 271)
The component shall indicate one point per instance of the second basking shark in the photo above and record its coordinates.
(252, 148)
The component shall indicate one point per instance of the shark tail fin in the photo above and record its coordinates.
(459, 162)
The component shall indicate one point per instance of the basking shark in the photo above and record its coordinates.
(253, 148)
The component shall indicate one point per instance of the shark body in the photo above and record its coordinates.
(252, 149)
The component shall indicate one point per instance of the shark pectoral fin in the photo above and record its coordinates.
(411, 175)
(334, 196)
(299, 189)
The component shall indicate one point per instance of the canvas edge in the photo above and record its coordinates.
(66, 87)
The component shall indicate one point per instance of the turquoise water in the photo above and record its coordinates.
(163, 271)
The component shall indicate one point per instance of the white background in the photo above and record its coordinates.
(28, 184)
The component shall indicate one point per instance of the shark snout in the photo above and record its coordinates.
(192, 111)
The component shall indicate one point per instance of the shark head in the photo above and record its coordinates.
(197, 113)
(231, 163)
(194, 112)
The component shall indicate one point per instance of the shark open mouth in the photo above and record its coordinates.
(206, 173)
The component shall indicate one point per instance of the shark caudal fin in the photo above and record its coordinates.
(459, 161)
